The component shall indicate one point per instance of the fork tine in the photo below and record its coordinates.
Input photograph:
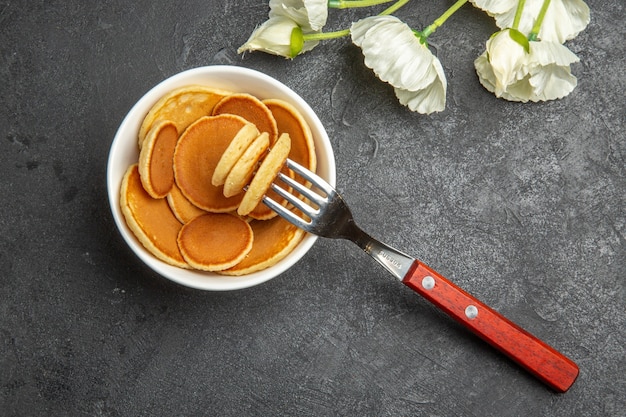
(299, 204)
(315, 179)
(308, 222)
(303, 190)
(287, 214)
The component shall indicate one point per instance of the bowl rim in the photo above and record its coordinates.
(121, 154)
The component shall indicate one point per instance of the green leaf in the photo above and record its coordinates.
(520, 38)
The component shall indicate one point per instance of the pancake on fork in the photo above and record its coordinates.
(150, 220)
(198, 152)
(274, 237)
(241, 173)
(269, 168)
(234, 152)
(289, 120)
(182, 106)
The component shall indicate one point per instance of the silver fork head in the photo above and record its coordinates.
(324, 213)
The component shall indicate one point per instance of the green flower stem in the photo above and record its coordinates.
(347, 4)
(346, 32)
(392, 9)
(518, 13)
(441, 19)
(326, 35)
(537, 26)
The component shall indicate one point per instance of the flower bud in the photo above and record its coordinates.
(506, 56)
(279, 36)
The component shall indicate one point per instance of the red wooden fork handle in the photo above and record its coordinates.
(538, 358)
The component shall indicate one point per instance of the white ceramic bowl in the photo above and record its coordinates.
(124, 152)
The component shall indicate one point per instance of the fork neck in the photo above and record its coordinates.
(394, 261)
(357, 235)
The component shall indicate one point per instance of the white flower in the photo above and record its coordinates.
(279, 36)
(506, 58)
(544, 75)
(564, 19)
(310, 15)
(398, 57)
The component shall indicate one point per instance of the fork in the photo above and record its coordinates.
(326, 214)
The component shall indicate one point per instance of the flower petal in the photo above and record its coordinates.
(394, 52)
(551, 76)
(546, 52)
(563, 21)
(485, 73)
(552, 82)
(311, 15)
(495, 7)
(397, 56)
(428, 100)
(521, 91)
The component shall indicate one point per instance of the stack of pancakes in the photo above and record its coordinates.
(199, 148)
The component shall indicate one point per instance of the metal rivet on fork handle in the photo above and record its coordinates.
(428, 282)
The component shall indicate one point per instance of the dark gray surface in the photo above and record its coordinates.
(522, 205)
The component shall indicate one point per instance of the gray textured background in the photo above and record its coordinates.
(522, 205)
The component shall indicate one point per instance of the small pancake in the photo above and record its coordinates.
(273, 240)
(246, 165)
(182, 106)
(234, 152)
(198, 152)
(151, 220)
(263, 212)
(182, 208)
(289, 120)
(213, 242)
(251, 109)
(269, 168)
(156, 158)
